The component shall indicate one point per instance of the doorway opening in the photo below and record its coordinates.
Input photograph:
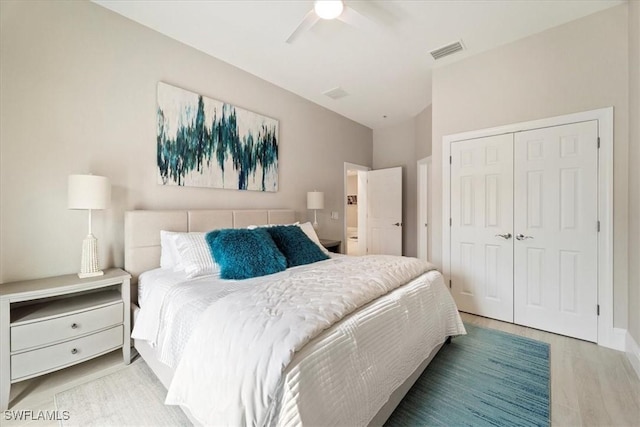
(355, 209)
(352, 213)
(373, 220)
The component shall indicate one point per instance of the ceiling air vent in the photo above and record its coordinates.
(336, 93)
(447, 50)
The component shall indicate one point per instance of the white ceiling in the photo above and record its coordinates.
(386, 71)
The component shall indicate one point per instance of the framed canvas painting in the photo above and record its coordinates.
(203, 142)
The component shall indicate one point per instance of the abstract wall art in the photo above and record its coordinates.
(203, 142)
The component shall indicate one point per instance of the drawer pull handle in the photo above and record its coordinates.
(74, 351)
(74, 326)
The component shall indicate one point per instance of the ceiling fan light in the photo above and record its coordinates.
(328, 9)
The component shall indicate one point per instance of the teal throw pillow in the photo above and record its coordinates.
(295, 245)
(243, 254)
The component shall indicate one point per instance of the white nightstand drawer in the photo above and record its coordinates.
(37, 334)
(64, 354)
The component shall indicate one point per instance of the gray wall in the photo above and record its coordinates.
(78, 86)
(582, 65)
(423, 133)
(403, 144)
(634, 170)
(423, 149)
(395, 146)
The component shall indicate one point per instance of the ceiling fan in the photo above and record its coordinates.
(329, 9)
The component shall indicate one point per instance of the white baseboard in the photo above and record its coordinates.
(617, 339)
(633, 353)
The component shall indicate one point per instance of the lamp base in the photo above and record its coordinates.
(89, 264)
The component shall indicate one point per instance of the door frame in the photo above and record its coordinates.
(347, 167)
(608, 336)
(423, 167)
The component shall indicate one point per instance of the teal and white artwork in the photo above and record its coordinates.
(203, 142)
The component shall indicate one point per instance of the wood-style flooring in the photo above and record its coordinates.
(590, 385)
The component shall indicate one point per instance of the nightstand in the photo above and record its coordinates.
(50, 324)
(331, 245)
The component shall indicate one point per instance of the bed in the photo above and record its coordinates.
(354, 370)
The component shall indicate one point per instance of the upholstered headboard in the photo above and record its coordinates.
(142, 230)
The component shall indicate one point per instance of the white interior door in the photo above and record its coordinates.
(556, 213)
(424, 207)
(481, 226)
(384, 209)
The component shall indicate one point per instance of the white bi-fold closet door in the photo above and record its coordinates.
(524, 210)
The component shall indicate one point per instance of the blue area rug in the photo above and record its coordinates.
(485, 378)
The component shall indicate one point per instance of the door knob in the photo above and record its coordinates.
(398, 224)
(523, 237)
(505, 236)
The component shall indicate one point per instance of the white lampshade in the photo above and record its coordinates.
(315, 200)
(88, 192)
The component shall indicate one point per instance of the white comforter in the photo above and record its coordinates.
(236, 368)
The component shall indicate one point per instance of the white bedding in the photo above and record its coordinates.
(171, 305)
(343, 375)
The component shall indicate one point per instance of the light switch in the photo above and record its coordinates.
(334, 215)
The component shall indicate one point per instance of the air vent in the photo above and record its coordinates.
(447, 50)
(336, 93)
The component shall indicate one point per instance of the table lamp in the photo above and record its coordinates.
(89, 192)
(315, 201)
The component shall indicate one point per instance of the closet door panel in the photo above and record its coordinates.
(482, 226)
(555, 214)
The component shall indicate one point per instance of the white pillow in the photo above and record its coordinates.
(311, 234)
(253, 227)
(194, 255)
(168, 250)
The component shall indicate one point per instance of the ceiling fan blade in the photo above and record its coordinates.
(356, 19)
(309, 21)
